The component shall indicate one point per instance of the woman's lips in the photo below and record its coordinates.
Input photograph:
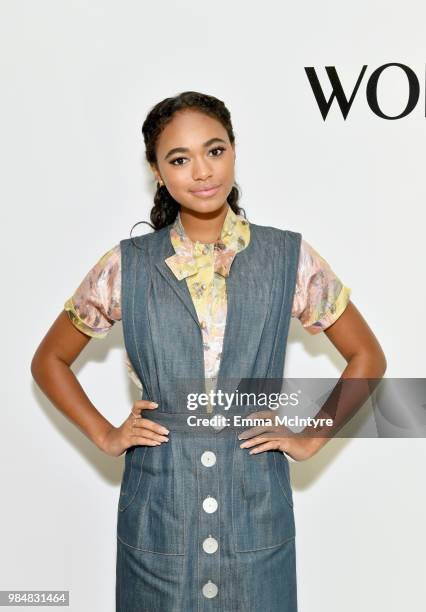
(205, 193)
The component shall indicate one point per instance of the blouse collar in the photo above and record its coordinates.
(234, 237)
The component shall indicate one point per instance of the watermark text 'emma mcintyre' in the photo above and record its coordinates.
(239, 421)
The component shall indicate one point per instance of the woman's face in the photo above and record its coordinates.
(205, 158)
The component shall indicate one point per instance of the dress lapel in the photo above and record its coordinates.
(179, 287)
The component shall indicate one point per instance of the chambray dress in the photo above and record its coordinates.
(203, 525)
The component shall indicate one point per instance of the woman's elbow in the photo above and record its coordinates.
(372, 362)
(36, 365)
(40, 363)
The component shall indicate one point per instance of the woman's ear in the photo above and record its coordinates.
(156, 174)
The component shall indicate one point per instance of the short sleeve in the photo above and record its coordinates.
(96, 304)
(320, 296)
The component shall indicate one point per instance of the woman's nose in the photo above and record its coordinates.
(201, 170)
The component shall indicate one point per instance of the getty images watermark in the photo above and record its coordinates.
(218, 399)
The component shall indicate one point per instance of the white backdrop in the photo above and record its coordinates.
(77, 81)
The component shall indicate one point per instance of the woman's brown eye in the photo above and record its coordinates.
(175, 160)
(218, 149)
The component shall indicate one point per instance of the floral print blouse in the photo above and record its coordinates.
(319, 300)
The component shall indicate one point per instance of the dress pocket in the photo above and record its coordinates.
(262, 510)
(131, 476)
(283, 475)
(151, 506)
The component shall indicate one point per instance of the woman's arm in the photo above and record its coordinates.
(356, 342)
(366, 364)
(51, 370)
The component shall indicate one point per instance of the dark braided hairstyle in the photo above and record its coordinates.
(165, 207)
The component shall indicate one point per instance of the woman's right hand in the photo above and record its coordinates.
(134, 431)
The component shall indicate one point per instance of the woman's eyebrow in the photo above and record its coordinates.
(185, 150)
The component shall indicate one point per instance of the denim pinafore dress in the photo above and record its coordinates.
(203, 525)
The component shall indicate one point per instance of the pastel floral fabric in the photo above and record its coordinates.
(319, 300)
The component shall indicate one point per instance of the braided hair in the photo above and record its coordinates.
(166, 208)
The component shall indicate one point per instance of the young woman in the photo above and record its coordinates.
(205, 521)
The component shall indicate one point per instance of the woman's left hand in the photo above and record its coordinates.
(269, 437)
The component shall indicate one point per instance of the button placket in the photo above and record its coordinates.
(208, 556)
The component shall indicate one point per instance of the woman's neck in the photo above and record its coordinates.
(203, 227)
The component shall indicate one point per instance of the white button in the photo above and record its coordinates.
(218, 422)
(210, 589)
(208, 458)
(210, 505)
(210, 545)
